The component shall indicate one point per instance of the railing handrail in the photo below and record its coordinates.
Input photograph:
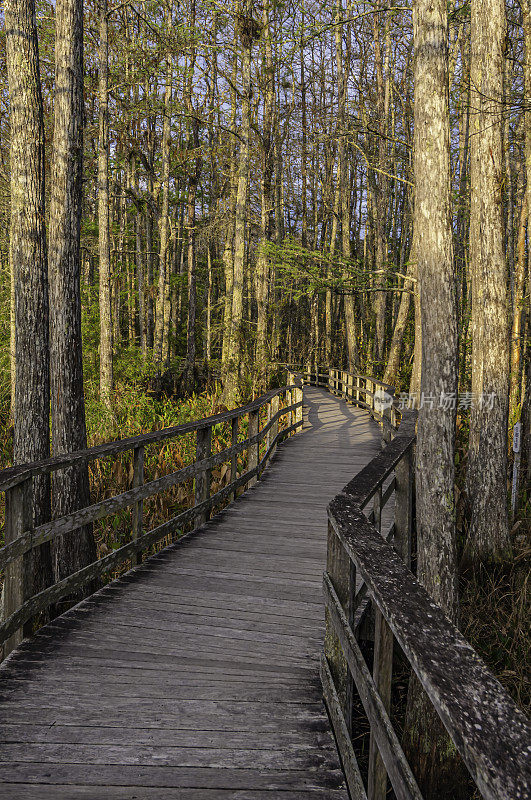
(492, 735)
(11, 476)
(22, 536)
(363, 486)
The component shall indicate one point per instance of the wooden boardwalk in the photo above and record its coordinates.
(196, 675)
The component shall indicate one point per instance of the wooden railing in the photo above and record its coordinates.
(370, 592)
(21, 537)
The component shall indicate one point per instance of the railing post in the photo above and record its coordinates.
(18, 576)
(386, 425)
(350, 382)
(377, 506)
(300, 397)
(268, 420)
(393, 418)
(289, 397)
(138, 508)
(404, 504)
(202, 478)
(252, 459)
(357, 389)
(274, 427)
(382, 674)
(342, 573)
(234, 458)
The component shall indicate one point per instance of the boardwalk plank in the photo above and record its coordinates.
(186, 777)
(196, 675)
(18, 791)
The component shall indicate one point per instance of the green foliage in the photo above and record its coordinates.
(304, 272)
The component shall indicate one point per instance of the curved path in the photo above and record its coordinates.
(196, 675)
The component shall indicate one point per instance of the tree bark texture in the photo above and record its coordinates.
(28, 259)
(71, 486)
(104, 245)
(488, 538)
(426, 742)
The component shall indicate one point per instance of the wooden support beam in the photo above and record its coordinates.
(299, 411)
(18, 576)
(401, 776)
(138, 508)
(382, 675)
(342, 734)
(274, 427)
(342, 573)
(202, 480)
(235, 425)
(254, 418)
(404, 472)
(489, 731)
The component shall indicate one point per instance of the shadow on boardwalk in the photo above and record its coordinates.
(196, 675)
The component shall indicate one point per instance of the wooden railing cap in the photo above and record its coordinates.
(492, 735)
(14, 475)
(363, 485)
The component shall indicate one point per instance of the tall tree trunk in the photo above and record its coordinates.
(267, 221)
(228, 251)
(148, 212)
(71, 486)
(427, 744)
(28, 259)
(395, 348)
(104, 246)
(343, 185)
(526, 399)
(12, 337)
(304, 139)
(193, 145)
(380, 187)
(208, 307)
(192, 288)
(150, 205)
(488, 538)
(162, 311)
(140, 280)
(518, 316)
(234, 355)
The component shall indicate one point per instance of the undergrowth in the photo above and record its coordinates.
(495, 614)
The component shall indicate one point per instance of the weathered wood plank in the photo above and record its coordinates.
(233, 740)
(196, 674)
(25, 791)
(342, 734)
(71, 522)
(403, 782)
(203, 476)
(185, 777)
(13, 475)
(181, 757)
(489, 731)
(17, 589)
